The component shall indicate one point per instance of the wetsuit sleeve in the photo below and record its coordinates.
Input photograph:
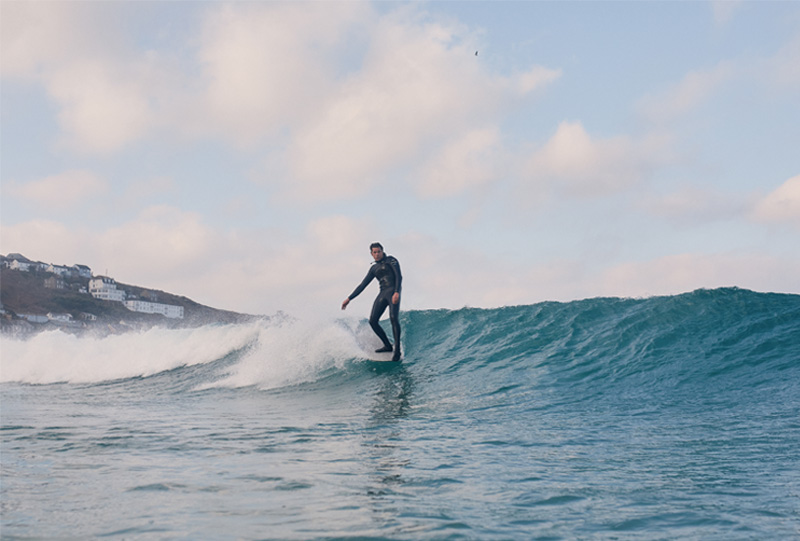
(398, 277)
(367, 279)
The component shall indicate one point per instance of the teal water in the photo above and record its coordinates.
(663, 418)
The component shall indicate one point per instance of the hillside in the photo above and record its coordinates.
(24, 293)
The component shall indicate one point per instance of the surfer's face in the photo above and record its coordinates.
(377, 254)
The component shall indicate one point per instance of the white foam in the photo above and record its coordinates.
(54, 356)
(295, 351)
(275, 353)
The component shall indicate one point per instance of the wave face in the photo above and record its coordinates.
(667, 417)
(715, 340)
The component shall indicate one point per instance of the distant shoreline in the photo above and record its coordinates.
(30, 307)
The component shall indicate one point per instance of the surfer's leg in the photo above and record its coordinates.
(394, 316)
(378, 307)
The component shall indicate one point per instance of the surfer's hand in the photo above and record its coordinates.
(395, 298)
(345, 303)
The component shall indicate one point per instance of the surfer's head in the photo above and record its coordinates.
(376, 249)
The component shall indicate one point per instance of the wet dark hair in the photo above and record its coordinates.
(376, 245)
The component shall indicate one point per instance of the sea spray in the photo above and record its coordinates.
(294, 351)
(54, 356)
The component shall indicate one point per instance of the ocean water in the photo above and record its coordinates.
(663, 418)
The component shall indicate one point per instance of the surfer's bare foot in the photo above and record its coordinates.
(384, 349)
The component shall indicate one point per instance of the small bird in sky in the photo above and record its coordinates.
(476, 53)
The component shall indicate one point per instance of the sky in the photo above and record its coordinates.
(246, 154)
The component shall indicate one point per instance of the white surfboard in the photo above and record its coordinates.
(380, 357)
(368, 343)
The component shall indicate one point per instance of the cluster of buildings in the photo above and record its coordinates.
(100, 287)
(105, 288)
(21, 263)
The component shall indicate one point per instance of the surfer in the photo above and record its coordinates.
(387, 270)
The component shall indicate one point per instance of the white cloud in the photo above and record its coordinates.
(103, 107)
(147, 188)
(48, 241)
(105, 94)
(335, 234)
(471, 160)
(419, 84)
(582, 166)
(694, 89)
(161, 240)
(782, 70)
(686, 272)
(61, 191)
(349, 93)
(161, 245)
(36, 36)
(724, 10)
(266, 65)
(782, 205)
(535, 78)
(169, 249)
(310, 273)
(691, 205)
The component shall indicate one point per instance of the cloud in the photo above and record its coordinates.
(724, 10)
(161, 243)
(48, 241)
(694, 89)
(37, 36)
(345, 92)
(247, 270)
(782, 70)
(678, 273)
(61, 191)
(146, 188)
(105, 93)
(692, 205)
(574, 162)
(161, 237)
(781, 205)
(419, 85)
(103, 107)
(535, 78)
(468, 161)
(311, 272)
(267, 65)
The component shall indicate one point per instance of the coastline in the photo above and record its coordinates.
(29, 307)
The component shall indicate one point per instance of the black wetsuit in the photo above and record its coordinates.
(387, 271)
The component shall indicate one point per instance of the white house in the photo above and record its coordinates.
(82, 270)
(19, 265)
(105, 288)
(166, 310)
(60, 270)
(59, 318)
(34, 318)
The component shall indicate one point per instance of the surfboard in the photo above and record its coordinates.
(381, 358)
(367, 342)
(371, 355)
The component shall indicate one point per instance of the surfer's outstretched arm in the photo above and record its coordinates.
(364, 283)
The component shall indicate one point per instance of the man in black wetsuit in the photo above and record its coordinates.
(387, 270)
